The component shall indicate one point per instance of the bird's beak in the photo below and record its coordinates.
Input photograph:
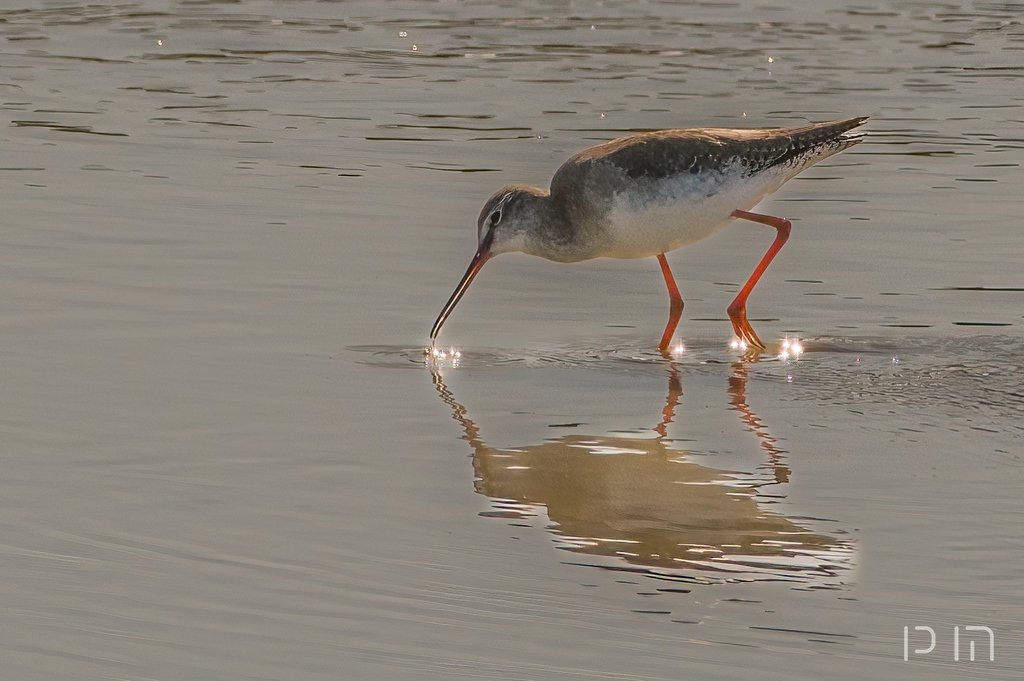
(475, 265)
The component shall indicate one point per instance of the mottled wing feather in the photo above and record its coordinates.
(666, 153)
(659, 155)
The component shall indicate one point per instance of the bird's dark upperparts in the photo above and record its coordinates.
(648, 194)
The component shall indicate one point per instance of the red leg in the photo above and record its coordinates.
(738, 308)
(675, 309)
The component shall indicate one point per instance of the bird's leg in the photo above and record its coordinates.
(675, 309)
(738, 308)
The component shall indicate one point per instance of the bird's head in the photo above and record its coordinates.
(508, 218)
(506, 221)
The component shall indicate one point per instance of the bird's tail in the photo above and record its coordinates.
(833, 136)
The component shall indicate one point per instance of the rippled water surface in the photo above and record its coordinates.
(229, 226)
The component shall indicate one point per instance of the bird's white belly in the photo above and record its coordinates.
(678, 212)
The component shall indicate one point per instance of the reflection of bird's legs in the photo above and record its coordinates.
(738, 400)
(675, 390)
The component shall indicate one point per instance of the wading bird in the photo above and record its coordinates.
(648, 194)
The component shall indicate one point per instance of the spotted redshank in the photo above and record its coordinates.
(648, 194)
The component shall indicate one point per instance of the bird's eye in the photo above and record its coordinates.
(495, 217)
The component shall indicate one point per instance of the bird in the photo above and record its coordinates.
(647, 194)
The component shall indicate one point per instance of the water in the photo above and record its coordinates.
(228, 228)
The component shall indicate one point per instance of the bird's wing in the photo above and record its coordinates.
(657, 155)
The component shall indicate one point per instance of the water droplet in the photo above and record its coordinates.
(790, 347)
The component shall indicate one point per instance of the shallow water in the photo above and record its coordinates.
(228, 228)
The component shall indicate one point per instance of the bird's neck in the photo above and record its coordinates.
(550, 233)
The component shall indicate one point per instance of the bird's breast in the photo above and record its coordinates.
(651, 217)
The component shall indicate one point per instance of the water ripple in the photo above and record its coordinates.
(962, 377)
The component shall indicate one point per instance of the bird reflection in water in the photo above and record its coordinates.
(641, 505)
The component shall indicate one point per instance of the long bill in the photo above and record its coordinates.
(474, 267)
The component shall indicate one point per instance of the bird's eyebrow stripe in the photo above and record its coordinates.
(500, 205)
(503, 200)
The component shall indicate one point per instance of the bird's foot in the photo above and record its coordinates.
(746, 335)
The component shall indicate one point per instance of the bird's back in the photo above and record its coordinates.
(665, 153)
